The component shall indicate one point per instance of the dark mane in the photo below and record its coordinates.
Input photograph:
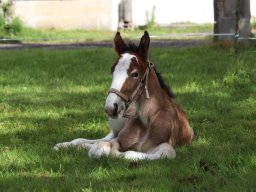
(131, 47)
(164, 85)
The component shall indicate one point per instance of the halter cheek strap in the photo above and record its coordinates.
(136, 93)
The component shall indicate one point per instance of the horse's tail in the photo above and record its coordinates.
(185, 132)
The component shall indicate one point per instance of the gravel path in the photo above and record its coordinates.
(154, 43)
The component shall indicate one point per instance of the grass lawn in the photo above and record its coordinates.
(52, 96)
(52, 35)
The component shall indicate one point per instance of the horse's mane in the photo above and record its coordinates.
(164, 85)
(131, 47)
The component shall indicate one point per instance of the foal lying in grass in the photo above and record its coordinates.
(145, 121)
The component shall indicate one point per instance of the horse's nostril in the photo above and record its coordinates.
(112, 111)
(115, 109)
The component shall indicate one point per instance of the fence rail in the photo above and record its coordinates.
(235, 35)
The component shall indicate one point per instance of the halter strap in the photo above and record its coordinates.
(135, 94)
(119, 93)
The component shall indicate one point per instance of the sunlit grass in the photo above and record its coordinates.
(55, 36)
(48, 97)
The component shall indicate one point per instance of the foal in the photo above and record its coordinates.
(146, 123)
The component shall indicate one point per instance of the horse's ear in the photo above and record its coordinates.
(144, 45)
(119, 44)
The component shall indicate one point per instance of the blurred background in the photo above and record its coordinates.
(39, 20)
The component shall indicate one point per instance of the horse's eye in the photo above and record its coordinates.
(135, 75)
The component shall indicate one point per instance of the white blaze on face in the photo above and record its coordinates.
(119, 77)
(120, 72)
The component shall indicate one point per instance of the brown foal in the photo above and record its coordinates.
(146, 122)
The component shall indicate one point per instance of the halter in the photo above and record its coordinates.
(136, 93)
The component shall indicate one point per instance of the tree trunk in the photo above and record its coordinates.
(231, 17)
(244, 24)
(125, 14)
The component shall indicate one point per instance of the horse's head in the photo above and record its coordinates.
(128, 73)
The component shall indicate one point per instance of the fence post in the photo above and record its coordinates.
(125, 14)
(236, 47)
(224, 15)
(244, 16)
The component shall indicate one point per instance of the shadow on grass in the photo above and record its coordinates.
(221, 143)
(221, 156)
(50, 120)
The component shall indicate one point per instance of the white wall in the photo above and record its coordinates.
(174, 11)
(103, 14)
(69, 14)
(253, 8)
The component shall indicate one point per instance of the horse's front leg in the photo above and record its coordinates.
(164, 150)
(115, 124)
(81, 143)
(105, 148)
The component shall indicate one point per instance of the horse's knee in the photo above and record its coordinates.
(164, 150)
(169, 153)
(100, 149)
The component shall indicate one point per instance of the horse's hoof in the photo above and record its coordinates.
(57, 147)
(99, 149)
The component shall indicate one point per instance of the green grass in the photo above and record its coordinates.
(54, 35)
(52, 96)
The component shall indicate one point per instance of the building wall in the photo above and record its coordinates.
(103, 14)
(253, 9)
(68, 14)
(174, 11)
(177, 11)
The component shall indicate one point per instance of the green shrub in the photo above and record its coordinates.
(16, 25)
(2, 23)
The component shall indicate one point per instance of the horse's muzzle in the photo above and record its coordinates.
(112, 111)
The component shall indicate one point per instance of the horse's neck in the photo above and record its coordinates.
(147, 107)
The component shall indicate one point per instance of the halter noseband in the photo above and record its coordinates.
(136, 93)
